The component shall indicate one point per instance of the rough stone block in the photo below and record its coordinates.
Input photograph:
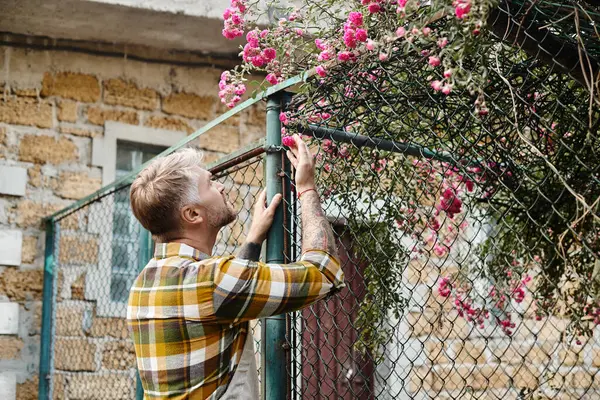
(106, 386)
(253, 175)
(114, 327)
(13, 180)
(171, 124)
(22, 285)
(8, 386)
(75, 355)
(29, 213)
(470, 352)
(257, 114)
(26, 92)
(2, 135)
(10, 247)
(10, 347)
(70, 85)
(78, 250)
(26, 111)
(67, 111)
(28, 390)
(71, 130)
(421, 323)
(452, 326)
(35, 175)
(190, 105)
(46, 149)
(118, 355)
(76, 185)
(98, 116)
(69, 319)
(570, 357)
(524, 377)
(127, 94)
(9, 323)
(437, 351)
(224, 139)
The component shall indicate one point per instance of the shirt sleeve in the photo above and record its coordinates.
(246, 290)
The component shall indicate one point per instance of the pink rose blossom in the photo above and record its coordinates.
(288, 141)
(434, 61)
(442, 42)
(283, 118)
(426, 31)
(344, 55)
(355, 18)
(462, 8)
(272, 79)
(320, 44)
(374, 8)
(383, 56)
(240, 89)
(324, 55)
(361, 35)
(321, 71)
(402, 3)
(370, 45)
(400, 32)
(447, 73)
(436, 85)
(349, 38)
(447, 89)
(269, 53)
(299, 32)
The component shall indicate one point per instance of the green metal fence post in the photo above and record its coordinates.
(145, 254)
(47, 309)
(274, 385)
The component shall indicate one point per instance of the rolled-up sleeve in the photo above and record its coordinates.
(246, 290)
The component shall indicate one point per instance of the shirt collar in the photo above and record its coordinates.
(166, 250)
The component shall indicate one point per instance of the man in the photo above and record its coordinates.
(188, 311)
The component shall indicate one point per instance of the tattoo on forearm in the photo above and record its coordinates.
(250, 251)
(316, 230)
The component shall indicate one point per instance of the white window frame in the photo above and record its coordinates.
(104, 155)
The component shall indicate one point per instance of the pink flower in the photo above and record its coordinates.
(383, 56)
(299, 32)
(361, 35)
(321, 71)
(264, 33)
(258, 61)
(227, 13)
(374, 8)
(442, 42)
(447, 89)
(447, 73)
(344, 55)
(426, 31)
(240, 89)
(269, 53)
(252, 38)
(462, 8)
(355, 18)
(402, 3)
(324, 55)
(288, 141)
(400, 32)
(283, 118)
(349, 38)
(320, 44)
(436, 85)
(370, 45)
(272, 79)
(434, 61)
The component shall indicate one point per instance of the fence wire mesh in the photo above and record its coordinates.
(467, 224)
(99, 251)
(468, 235)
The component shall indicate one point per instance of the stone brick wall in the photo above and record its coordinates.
(53, 104)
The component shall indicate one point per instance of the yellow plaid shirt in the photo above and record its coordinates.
(188, 313)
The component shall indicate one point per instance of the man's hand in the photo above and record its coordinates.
(304, 164)
(263, 217)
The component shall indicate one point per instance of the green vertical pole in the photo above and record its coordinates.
(47, 309)
(145, 254)
(273, 358)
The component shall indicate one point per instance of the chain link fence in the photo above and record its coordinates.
(468, 234)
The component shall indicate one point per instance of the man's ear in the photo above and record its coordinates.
(192, 214)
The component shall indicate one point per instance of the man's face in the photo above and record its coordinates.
(219, 211)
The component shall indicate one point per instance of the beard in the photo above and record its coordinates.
(219, 217)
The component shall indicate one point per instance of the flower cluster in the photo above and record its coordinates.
(461, 8)
(234, 19)
(230, 90)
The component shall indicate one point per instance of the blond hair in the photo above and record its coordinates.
(163, 188)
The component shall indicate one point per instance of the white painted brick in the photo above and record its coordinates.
(13, 180)
(8, 386)
(9, 322)
(10, 247)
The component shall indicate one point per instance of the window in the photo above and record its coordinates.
(126, 229)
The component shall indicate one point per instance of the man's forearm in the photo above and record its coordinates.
(316, 230)
(250, 251)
